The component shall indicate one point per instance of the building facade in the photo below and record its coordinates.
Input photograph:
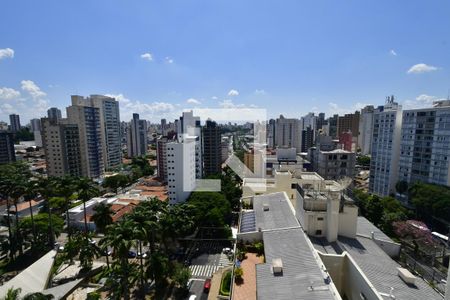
(366, 129)
(212, 154)
(181, 174)
(91, 143)
(349, 122)
(137, 137)
(54, 113)
(14, 121)
(7, 154)
(161, 158)
(385, 148)
(109, 121)
(61, 142)
(333, 165)
(288, 133)
(425, 145)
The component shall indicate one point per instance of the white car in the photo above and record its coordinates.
(192, 297)
(226, 250)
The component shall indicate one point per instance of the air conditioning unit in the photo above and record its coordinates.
(277, 266)
(406, 276)
(265, 207)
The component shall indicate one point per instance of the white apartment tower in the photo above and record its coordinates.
(137, 137)
(385, 151)
(425, 144)
(181, 168)
(366, 129)
(288, 133)
(110, 134)
(190, 125)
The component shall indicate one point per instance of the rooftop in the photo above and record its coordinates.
(301, 269)
(377, 266)
(274, 211)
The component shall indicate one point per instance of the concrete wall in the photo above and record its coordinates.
(250, 237)
(391, 248)
(348, 220)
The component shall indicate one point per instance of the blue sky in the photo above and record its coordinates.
(290, 57)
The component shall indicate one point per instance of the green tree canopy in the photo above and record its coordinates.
(210, 208)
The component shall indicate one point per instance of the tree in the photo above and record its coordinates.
(41, 225)
(102, 216)
(158, 268)
(37, 296)
(210, 209)
(86, 190)
(181, 275)
(401, 187)
(46, 187)
(65, 188)
(238, 273)
(363, 160)
(431, 201)
(141, 167)
(115, 182)
(12, 294)
(119, 238)
(416, 232)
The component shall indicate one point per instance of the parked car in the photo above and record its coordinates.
(131, 254)
(207, 285)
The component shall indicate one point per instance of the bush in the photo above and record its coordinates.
(225, 284)
(238, 273)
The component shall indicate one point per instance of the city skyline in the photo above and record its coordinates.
(290, 59)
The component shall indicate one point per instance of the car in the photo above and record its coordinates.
(192, 297)
(131, 254)
(144, 255)
(226, 250)
(207, 285)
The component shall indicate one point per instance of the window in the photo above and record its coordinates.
(318, 232)
(320, 219)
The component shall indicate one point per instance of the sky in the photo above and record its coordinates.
(161, 57)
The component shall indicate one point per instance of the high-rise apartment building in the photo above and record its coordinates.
(288, 133)
(61, 142)
(190, 125)
(181, 166)
(7, 154)
(349, 122)
(333, 165)
(14, 121)
(109, 121)
(365, 129)
(137, 137)
(36, 130)
(387, 123)
(161, 158)
(54, 113)
(425, 145)
(163, 127)
(271, 127)
(332, 126)
(307, 139)
(212, 154)
(87, 117)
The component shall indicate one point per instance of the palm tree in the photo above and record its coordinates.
(102, 216)
(47, 189)
(86, 190)
(119, 237)
(30, 194)
(66, 188)
(6, 189)
(12, 294)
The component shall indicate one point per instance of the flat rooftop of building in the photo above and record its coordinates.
(310, 176)
(279, 214)
(378, 267)
(365, 228)
(301, 269)
(337, 151)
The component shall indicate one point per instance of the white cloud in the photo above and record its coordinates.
(169, 60)
(214, 97)
(421, 68)
(260, 92)
(233, 93)
(30, 87)
(150, 111)
(147, 56)
(392, 52)
(193, 101)
(6, 53)
(334, 108)
(228, 103)
(421, 101)
(8, 93)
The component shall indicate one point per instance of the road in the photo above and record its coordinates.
(207, 259)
